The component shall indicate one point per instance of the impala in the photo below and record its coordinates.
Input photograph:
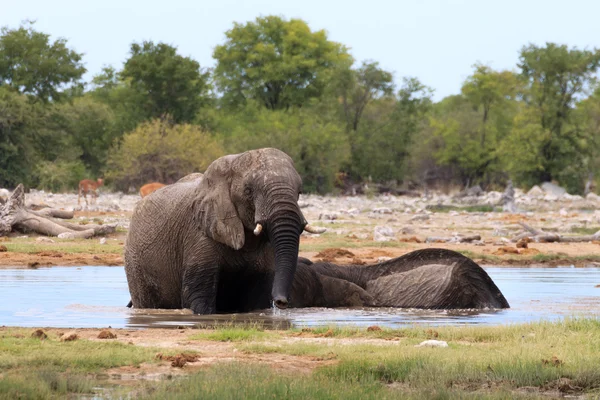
(150, 187)
(86, 186)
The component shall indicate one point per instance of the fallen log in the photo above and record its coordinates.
(14, 215)
(539, 236)
(54, 213)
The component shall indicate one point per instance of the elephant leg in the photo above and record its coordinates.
(256, 292)
(199, 289)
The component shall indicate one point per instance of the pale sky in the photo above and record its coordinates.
(436, 41)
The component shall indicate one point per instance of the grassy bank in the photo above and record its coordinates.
(517, 361)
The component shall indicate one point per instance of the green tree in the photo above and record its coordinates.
(279, 63)
(90, 127)
(317, 144)
(381, 145)
(358, 87)
(169, 83)
(127, 104)
(470, 127)
(158, 151)
(18, 120)
(556, 77)
(33, 64)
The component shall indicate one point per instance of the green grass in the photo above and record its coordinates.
(31, 368)
(510, 361)
(473, 208)
(89, 246)
(543, 257)
(490, 362)
(233, 334)
(588, 230)
(336, 242)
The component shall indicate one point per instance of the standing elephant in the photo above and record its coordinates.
(428, 278)
(221, 242)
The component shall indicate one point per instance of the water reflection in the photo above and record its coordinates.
(96, 297)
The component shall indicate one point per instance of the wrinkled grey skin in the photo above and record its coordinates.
(191, 244)
(429, 279)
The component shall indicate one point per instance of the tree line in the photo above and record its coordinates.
(278, 83)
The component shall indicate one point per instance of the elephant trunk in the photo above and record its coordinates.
(284, 228)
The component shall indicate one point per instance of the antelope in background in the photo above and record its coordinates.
(149, 188)
(86, 186)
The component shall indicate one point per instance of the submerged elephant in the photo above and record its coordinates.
(428, 278)
(220, 241)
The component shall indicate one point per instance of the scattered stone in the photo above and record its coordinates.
(563, 212)
(407, 230)
(432, 343)
(500, 232)
(351, 211)
(40, 334)
(43, 239)
(535, 191)
(383, 259)
(382, 210)
(103, 241)
(555, 190)
(66, 235)
(106, 334)
(420, 217)
(383, 234)
(329, 216)
(593, 197)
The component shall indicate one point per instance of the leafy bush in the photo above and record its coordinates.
(157, 151)
(60, 176)
(317, 146)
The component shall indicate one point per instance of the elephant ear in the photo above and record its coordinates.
(214, 209)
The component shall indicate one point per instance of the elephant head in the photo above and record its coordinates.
(255, 193)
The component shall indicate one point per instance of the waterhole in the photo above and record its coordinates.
(95, 297)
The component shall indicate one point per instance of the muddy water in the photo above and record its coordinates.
(96, 297)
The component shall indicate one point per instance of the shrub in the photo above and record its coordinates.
(158, 151)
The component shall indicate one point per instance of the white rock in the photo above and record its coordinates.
(571, 197)
(383, 234)
(382, 210)
(329, 216)
(383, 259)
(432, 343)
(42, 239)
(535, 191)
(420, 217)
(592, 197)
(66, 235)
(553, 189)
(103, 241)
(563, 212)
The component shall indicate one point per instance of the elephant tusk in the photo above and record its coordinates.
(258, 229)
(314, 229)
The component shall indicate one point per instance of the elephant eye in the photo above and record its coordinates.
(247, 191)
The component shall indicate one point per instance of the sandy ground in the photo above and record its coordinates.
(209, 352)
